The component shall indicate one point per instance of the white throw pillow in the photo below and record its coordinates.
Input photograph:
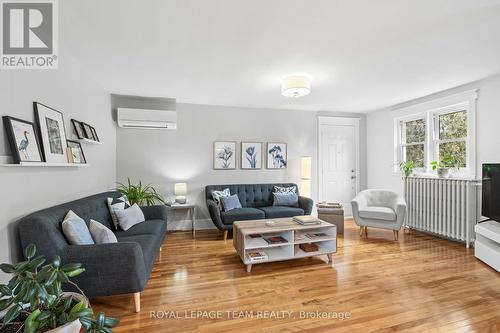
(101, 234)
(129, 217)
(217, 195)
(75, 229)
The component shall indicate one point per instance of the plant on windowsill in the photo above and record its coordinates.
(33, 300)
(140, 194)
(443, 167)
(406, 168)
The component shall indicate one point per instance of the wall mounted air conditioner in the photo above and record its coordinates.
(152, 119)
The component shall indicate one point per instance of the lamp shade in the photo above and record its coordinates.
(295, 86)
(180, 189)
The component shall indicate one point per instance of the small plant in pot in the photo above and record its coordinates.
(406, 168)
(33, 300)
(443, 167)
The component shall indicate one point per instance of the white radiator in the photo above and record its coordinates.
(445, 207)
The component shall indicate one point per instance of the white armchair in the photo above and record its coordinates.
(379, 209)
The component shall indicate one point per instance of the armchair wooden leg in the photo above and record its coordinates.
(225, 234)
(360, 231)
(137, 301)
(366, 232)
(396, 234)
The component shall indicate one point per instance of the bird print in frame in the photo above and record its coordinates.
(23, 140)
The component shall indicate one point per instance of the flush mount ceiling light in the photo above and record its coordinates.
(296, 86)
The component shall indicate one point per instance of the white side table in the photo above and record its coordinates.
(189, 207)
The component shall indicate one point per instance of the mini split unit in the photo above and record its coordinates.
(150, 119)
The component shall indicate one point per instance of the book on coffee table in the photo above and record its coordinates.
(275, 240)
(306, 220)
(255, 256)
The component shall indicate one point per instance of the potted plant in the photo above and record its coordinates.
(406, 168)
(33, 300)
(139, 194)
(443, 167)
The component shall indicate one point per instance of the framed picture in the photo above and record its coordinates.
(276, 155)
(251, 155)
(94, 134)
(53, 135)
(87, 130)
(78, 127)
(77, 155)
(23, 140)
(224, 155)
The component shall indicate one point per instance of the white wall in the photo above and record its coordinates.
(380, 133)
(163, 157)
(24, 190)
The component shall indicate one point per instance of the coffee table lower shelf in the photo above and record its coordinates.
(294, 234)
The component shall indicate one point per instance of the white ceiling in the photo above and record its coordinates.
(362, 55)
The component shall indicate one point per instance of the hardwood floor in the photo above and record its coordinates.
(416, 284)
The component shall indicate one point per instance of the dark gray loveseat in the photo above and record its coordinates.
(257, 203)
(116, 268)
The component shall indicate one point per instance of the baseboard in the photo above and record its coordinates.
(185, 225)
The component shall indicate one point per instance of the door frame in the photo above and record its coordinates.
(336, 121)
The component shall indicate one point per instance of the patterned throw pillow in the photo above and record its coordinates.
(285, 190)
(285, 199)
(117, 203)
(217, 195)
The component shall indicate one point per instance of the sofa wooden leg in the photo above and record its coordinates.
(137, 301)
(225, 235)
(360, 231)
(366, 232)
(396, 234)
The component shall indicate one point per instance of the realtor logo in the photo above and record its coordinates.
(29, 34)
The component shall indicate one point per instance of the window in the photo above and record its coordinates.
(413, 141)
(451, 138)
(438, 131)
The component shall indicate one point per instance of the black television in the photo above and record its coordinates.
(490, 206)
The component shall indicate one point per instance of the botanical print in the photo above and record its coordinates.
(54, 132)
(224, 155)
(276, 155)
(251, 155)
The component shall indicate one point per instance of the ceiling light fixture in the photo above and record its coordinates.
(296, 86)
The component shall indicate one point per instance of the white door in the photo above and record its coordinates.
(338, 160)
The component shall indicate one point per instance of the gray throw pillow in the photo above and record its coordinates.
(75, 230)
(217, 195)
(129, 217)
(101, 234)
(286, 199)
(287, 190)
(231, 202)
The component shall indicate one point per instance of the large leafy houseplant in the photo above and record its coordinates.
(35, 302)
(140, 194)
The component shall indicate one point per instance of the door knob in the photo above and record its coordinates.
(353, 177)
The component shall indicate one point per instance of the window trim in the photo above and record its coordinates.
(429, 111)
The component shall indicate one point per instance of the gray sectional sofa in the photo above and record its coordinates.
(111, 269)
(257, 203)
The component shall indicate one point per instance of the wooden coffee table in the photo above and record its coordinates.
(294, 233)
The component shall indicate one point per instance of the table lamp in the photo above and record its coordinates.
(180, 191)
